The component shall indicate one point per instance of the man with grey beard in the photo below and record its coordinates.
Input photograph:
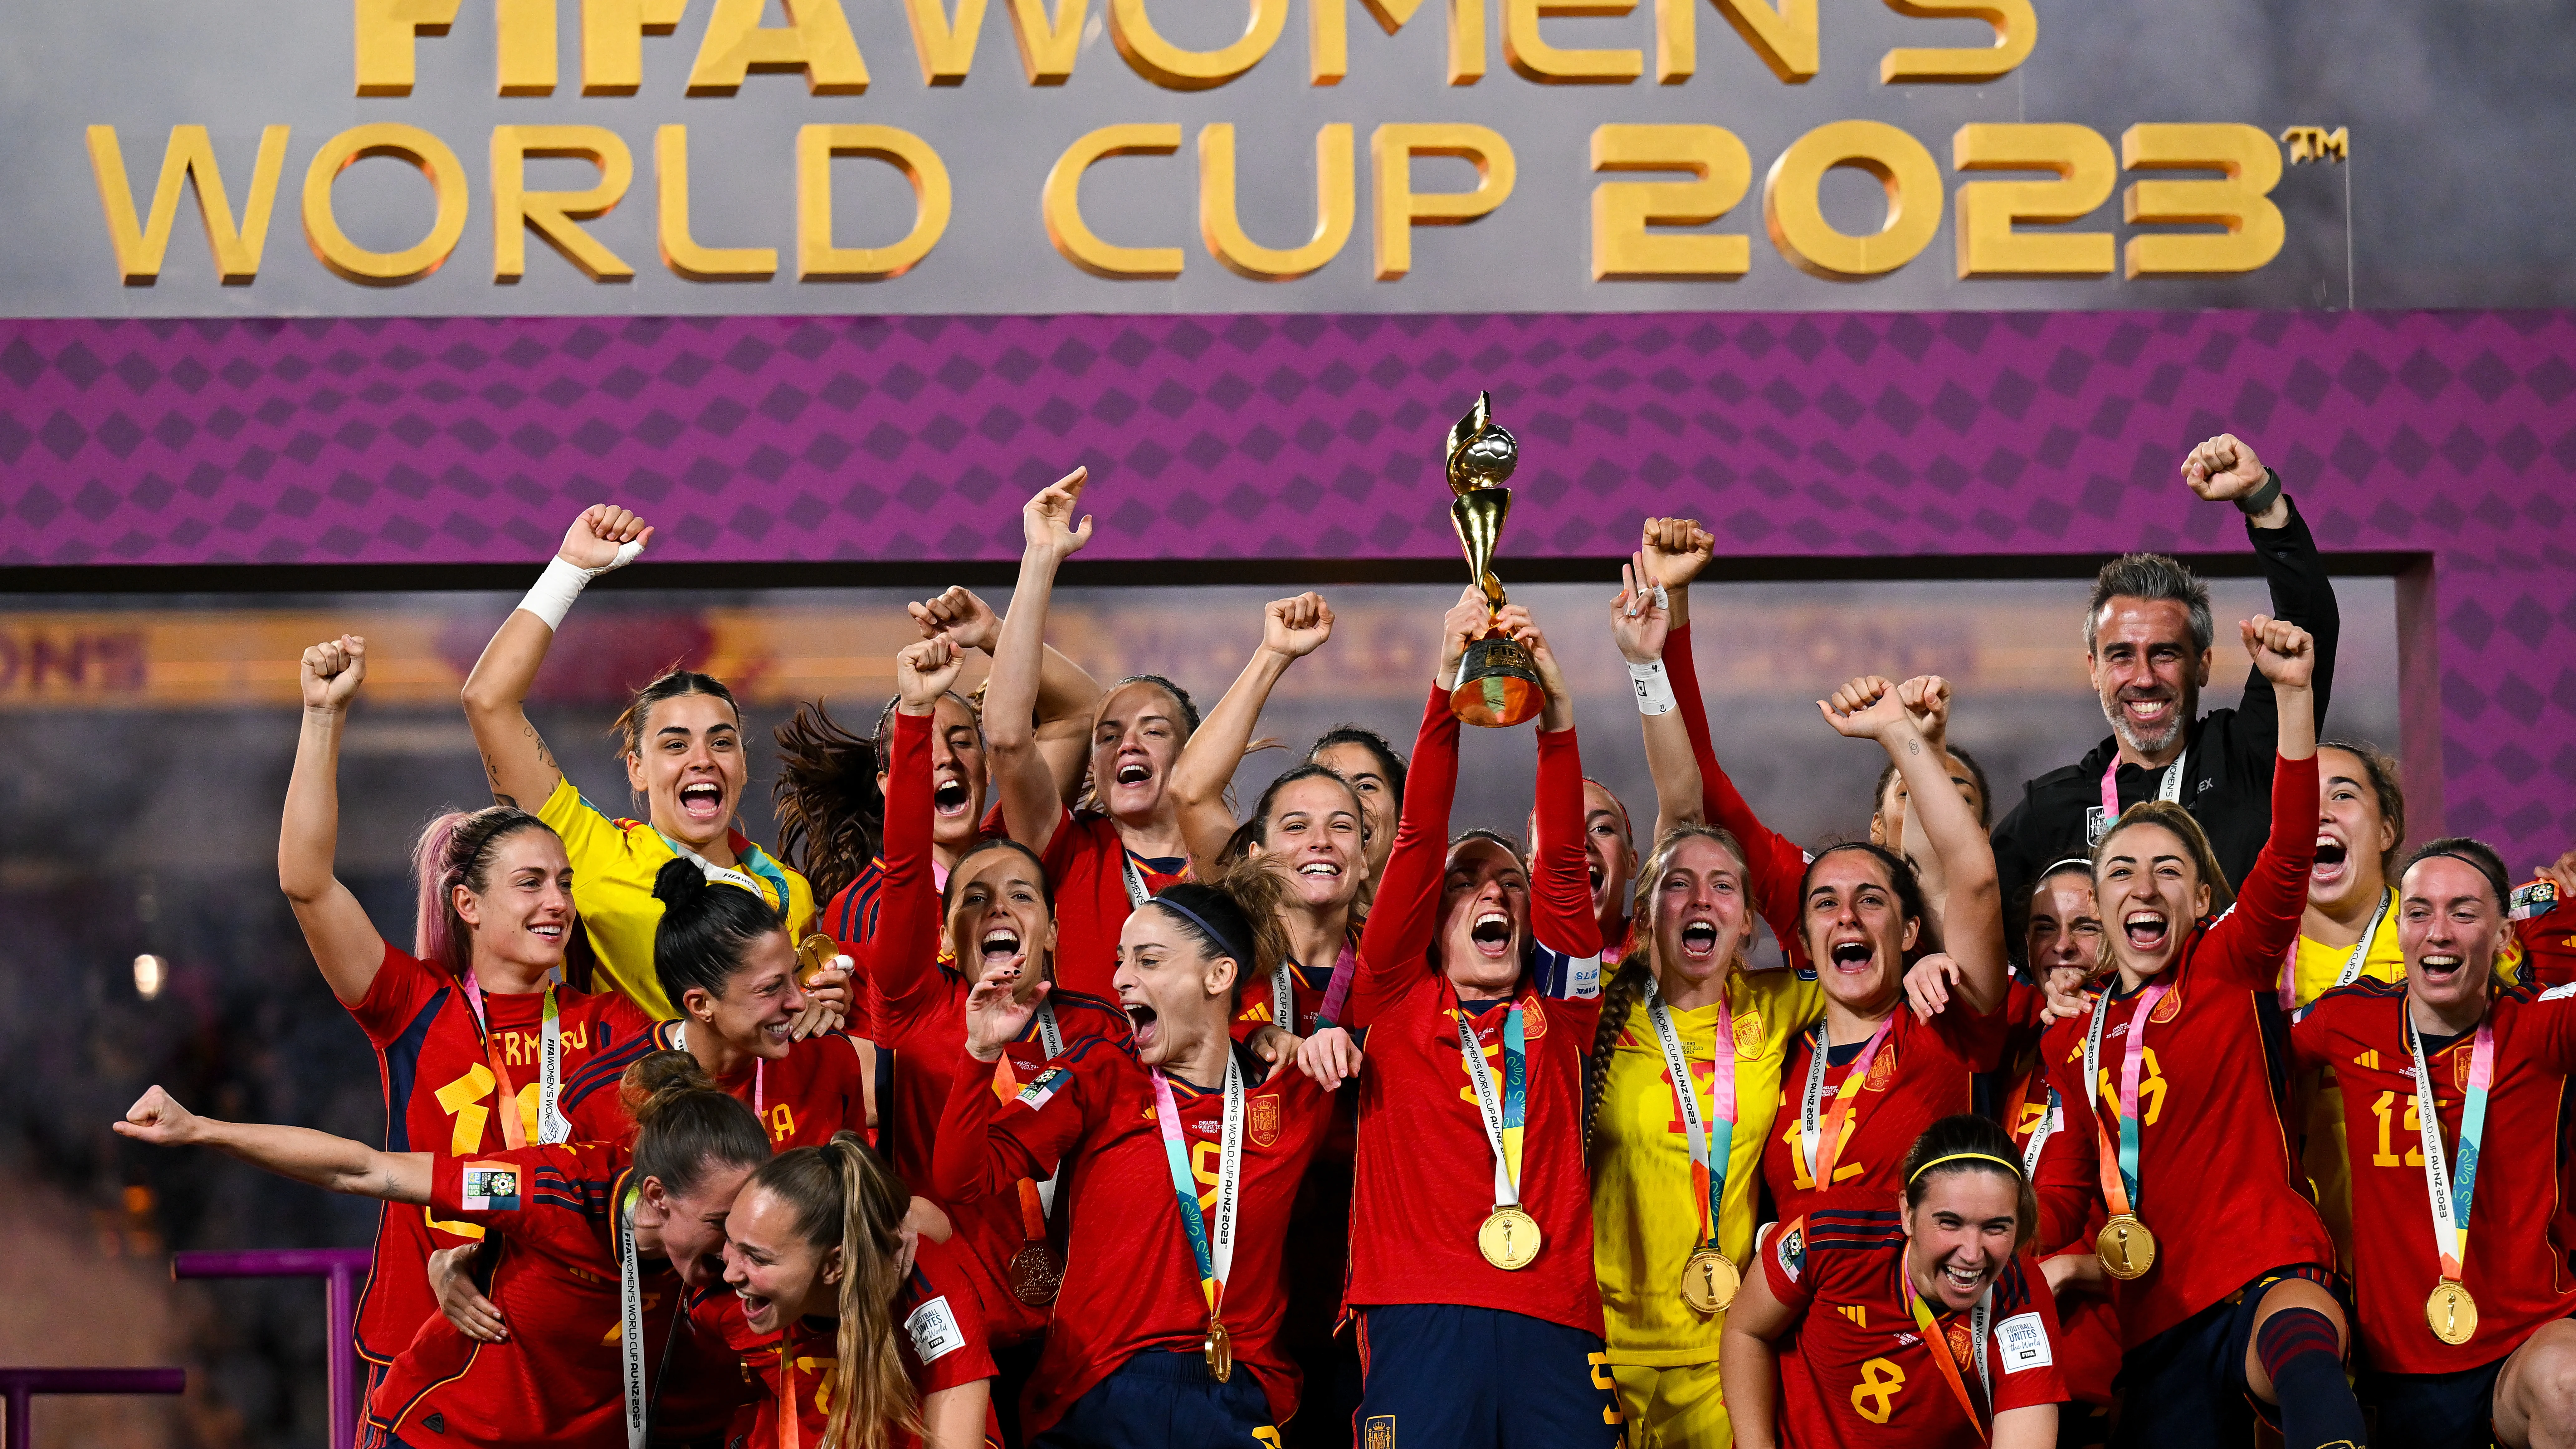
(2147, 640)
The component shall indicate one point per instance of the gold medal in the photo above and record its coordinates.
(1220, 1350)
(815, 954)
(1508, 1238)
(1035, 1275)
(1709, 1281)
(2126, 1248)
(2452, 1313)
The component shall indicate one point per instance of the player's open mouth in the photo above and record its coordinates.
(2332, 857)
(1853, 956)
(1134, 774)
(2145, 930)
(777, 1030)
(1328, 870)
(1000, 947)
(754, 1306)
(702, 800)
(1699, 939)
(2440, 967)
(1143, 1022)
(951, 799)
(1492, 933)
(549, 930)
(1966, 1280)
(1593, 869)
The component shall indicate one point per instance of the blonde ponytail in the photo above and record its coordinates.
(844, 1195)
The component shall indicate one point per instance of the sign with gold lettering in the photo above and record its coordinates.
(959, 156)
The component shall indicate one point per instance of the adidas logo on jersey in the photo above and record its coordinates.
(1858, 1313)
(2367, 1061)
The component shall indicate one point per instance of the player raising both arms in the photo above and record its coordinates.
(1916, 1319)
(1104, 862)
(2462, 1289)
(1872, 1075)
(683, 750)
(1183, 1165)
(477, 1047)
(823, 1265)
(1471, 1228)
(596, 1244)
(2178, 1072)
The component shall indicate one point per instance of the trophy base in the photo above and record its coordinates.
(1497, 685)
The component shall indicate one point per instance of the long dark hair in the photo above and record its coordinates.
(1255, 829)
(706, 927)
(684, 1123)
(456, 849)
(831, 816)
(846, 1197)
(1389, 763)
(1900, 878)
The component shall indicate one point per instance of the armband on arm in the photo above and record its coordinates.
(563, 582)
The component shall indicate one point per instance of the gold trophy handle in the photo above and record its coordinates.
(1478, 516)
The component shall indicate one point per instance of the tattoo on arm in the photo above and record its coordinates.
(1913, 747)
(545, 756)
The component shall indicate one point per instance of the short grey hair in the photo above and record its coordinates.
(2153, 577)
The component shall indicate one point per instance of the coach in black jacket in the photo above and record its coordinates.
(2149, 639)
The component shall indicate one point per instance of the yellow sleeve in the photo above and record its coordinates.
(590, 838)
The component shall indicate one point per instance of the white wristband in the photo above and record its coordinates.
(1654, 688)
(562, 582)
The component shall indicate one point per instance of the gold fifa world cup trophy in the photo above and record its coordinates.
(1497, 683)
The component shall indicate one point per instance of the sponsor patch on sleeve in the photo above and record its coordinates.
(934, 1330)
(1037, 1093)
(2559, 993)
(2022, 1342)
(490, 1187)
(1792, 1248)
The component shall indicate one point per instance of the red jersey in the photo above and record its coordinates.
(707, 1390)
(2514, 1269)
(1424, 1179)
(1131, 1281)
(2215, 1120)
(1309, 986)
(941, 1340)
(820, 1088)
(915, 1008)
(1775, 863)
(2548, 945)
(440, 1094)
(551, 1212)
(1860, 1373)
(2088, 1331)
(1919, 1075)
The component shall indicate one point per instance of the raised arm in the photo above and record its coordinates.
(1291, 629)
(1561, 916)
(301, 1153)
(1067, 694)
(1396, 941)
(2224, 469)
(1031, 804)
(1972, 927)
(1639, 619)
(522, 771)
(1676, 549)
(899, 958)
(987, 1142)
(344, 942)
(2247, 944)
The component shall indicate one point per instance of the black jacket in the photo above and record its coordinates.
(2227, 776)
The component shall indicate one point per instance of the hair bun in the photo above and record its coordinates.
(680, 882)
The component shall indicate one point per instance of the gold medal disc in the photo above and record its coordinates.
(813, 955)
(2126, 1248)
(1034, 1275)
(1508, 1238)
(1220, 1351)
(1709, 1281)
(2452, 1313)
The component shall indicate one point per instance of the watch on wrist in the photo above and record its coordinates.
(2260, 501)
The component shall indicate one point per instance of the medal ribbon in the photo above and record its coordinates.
(1711, 1140)
(1137, 895)
(2351, 971)
(2120, 1165)
(1502, 1119)
(1283, 996)
(1005, 1087)
(1824, 1144)
(2039, 1135)
(1213, 1247)
(630, 1320)
(2169, 788)
(551, 1126)
(2450, 1190)
(1936, 1339)
(1337, 995)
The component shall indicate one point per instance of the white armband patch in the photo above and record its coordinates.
(2559, 993)
(935, 1333)
(2022, 1342)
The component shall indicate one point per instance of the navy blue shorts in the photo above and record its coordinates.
(2434, 1411)
(2187, 1384)
(1439, 1376)
(1162, 1400)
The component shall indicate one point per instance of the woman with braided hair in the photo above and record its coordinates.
(825, 1269)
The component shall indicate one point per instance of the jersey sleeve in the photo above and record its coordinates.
(1402, 914)
(1775, 862)
(1562, 920)
(2550, 1019)
(1782, 1250)
(898, 960)
(1977, 1040)
(553, 1193)
(988, 1142)
(2308, 1046)
(942, 1322)
(589, 837)
(2246, 945)
(403, 985)
(2021, 1351)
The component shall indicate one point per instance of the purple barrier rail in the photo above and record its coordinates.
(23, 1384)
(341, 1268)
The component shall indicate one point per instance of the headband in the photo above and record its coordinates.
(2012, 1167)
(2072, 862)
(2502, 890)
(1242, 957)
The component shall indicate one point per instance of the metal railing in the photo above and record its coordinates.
(23, 1384)
(341, 1269)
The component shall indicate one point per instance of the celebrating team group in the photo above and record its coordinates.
(1028, 1095)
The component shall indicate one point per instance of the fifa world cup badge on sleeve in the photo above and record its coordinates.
(490, 1187)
